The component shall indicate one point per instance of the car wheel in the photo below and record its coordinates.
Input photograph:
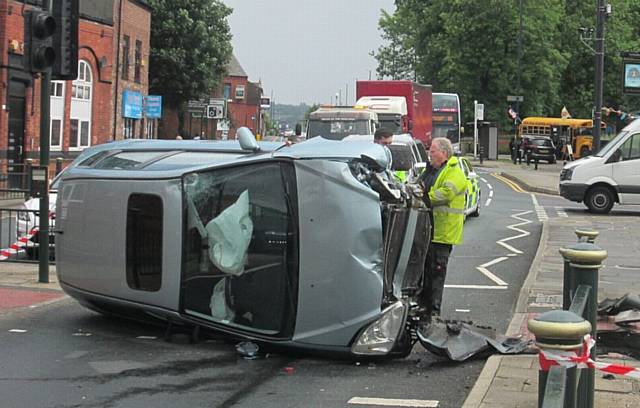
(476, 213)
(599, 200)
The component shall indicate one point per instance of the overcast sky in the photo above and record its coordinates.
(307, 50)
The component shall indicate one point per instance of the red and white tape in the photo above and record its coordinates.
(18, 246)
(582, 359)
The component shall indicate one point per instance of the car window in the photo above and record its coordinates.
(463, 163)
(541, 142)
(402, 157)
(631, 148)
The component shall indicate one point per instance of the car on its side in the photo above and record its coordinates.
(538, 148)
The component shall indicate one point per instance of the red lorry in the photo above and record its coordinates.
(417, 120)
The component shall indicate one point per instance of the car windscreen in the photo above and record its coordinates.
(402, 158)
(541, 142)
(390, 121)
(337, 129)
(128, 160)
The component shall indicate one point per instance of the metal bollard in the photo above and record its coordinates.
(585, 260)
(587, 234)
(559, 330)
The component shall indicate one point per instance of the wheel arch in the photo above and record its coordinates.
(608, 186)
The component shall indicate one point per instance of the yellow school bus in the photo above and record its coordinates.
(577, 133)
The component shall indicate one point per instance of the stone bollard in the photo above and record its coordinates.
(585, 260)
(559, 330)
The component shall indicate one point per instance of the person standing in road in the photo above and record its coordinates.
(445, 186)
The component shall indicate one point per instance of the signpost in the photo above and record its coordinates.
(478, 114)
(216, 109)
(515, 98)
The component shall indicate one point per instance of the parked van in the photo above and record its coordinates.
(610, 176)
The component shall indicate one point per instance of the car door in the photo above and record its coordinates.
(626, 172)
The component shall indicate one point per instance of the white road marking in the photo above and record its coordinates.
(490, 186)
(490, 193)
(463, 310)
(17, 331)
(483, 268)
(483, 179)
(514, 227)
(540, 211)
(561, 212)
(486, 204)
(390, 402)
(475, 287)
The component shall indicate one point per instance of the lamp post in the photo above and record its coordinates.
(601, 13)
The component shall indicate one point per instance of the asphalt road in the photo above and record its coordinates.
(62, 355)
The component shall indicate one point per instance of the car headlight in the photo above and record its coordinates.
(380, 336)
(566, 174)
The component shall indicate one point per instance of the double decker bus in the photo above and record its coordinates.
(446, 117)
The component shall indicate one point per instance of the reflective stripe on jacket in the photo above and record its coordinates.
(447, 197)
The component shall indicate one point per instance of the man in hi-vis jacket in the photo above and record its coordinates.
(445, 186)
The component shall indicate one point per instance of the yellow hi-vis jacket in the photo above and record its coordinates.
(447, 197)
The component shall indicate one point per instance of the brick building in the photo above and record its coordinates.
(88, 110)
(243, 101)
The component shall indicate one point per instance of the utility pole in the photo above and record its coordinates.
(519, 91)
(601, 13)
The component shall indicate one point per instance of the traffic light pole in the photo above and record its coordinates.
(597, 114)
(45, 87)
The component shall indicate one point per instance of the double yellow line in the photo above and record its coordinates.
(514, 186)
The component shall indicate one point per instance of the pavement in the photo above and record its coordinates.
(506, 381)
(512, 381)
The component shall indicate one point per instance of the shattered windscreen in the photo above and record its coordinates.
(240, 259)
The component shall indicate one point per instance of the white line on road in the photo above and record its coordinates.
(475, 287)
(540, 211)
(490, 193)
(483, 268)
(483, 179)
(561, 212)
(490, 186)
(390, 402)
(486, 204)
(463, 310)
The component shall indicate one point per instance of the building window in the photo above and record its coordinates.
(144, 242)
(138, 61)
(57, 89)
(239, 91)
(79, 137)
(56, 110)
(125, 56)
(81, 93)
(56, 134)
(129, 128)
(226, 92)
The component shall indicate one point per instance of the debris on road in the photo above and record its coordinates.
(248, 350)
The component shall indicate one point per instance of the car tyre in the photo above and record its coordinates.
(599, 200)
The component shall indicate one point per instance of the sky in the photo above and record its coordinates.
(307, 50)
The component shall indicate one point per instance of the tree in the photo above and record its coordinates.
(190, 49)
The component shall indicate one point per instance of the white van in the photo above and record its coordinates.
(610, 176)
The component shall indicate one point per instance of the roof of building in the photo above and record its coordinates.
(234, 68)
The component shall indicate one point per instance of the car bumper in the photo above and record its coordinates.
(573, 192)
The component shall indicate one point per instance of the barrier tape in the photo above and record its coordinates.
(18, 246)
(582, 359)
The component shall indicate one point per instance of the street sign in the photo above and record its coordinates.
(215, 111)
(196, 106)
(265, 102)
(480, 111)
(515, 98)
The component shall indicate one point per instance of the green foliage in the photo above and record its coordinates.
(190, 48)
(471, 47)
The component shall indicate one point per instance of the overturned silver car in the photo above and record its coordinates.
(305, 246)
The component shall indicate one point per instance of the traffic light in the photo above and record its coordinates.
(65, 40)
(39, 28)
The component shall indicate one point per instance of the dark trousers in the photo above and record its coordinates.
(435, 272)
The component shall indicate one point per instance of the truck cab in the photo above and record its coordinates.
(338, 122)
(392, 112)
